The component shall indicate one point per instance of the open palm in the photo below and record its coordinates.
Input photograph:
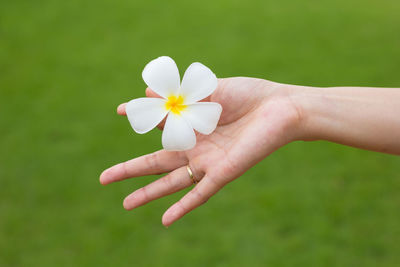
(258, 117)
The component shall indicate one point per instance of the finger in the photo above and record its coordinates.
(171, 183)
(162, 124)
(151, 93)
(121, 109)
(195, 198)
(155, 163)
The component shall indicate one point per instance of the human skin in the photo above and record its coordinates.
(258, 117)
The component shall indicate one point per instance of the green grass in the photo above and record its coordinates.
(66, 65)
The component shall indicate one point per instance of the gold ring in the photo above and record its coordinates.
(191, 174)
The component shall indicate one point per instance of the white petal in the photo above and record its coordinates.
(197, 83)
(203, 116)
(145, 113)
(178, 134)
(162, 76)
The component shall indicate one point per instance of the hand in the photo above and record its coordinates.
(258, 117)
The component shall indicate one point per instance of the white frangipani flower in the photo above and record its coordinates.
(179, 101)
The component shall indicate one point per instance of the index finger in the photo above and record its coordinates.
(155, 163)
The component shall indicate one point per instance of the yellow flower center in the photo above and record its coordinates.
(175, 104)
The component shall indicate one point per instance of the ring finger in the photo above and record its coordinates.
(173, 182)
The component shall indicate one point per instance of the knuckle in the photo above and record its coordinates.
(124, 167)
(215, 181)
(229, 167)
(168, 182)
(198, 195)
(152, 160)
(182, 207)
(145, 195)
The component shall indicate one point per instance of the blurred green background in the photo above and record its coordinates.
(66, 65)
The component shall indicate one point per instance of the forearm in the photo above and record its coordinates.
(367, 118)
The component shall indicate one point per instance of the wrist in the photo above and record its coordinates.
(292, 106)
(308, 102)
